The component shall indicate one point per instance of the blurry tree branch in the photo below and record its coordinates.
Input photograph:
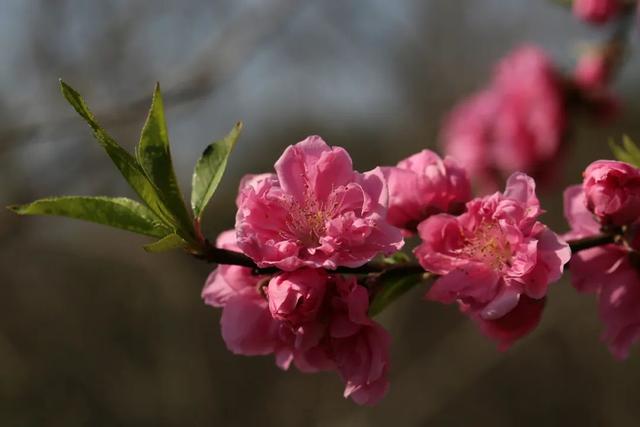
(237, 43)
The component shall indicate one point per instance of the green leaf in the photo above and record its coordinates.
(391, 285)
(125, 162)
(397, 258)
(167, 243)
(118, 212)
(627, 152)
(154, 155)
(631, 148)
(209, 170)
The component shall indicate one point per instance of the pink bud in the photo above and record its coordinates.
(596, 11)
(612, 191)
(295, 297)
(607, 272)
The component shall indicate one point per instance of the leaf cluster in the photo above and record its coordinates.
(161, 212)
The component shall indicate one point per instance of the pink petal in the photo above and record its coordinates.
(473, 281)
(247, 326)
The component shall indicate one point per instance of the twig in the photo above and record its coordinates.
(215, 255)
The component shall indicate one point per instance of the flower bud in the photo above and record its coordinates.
(612, 191)
(595, 11)
(296, 297)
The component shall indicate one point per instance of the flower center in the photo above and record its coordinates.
(489, 246)
(307, 220)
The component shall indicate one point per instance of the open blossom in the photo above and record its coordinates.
(360, 346)
(608, 272)
(247, 326)
(494, 255)
(306, 318)
(516, 124)
(316, 211)
(612, 191)
(422, 185)
(596, 11)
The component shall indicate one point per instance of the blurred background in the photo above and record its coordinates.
(94, 331)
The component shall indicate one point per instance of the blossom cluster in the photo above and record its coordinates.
(608, 201)
(520, 121)
(313, 215)
(314, 253)
(310, 318)
(316, 214)
(312, 223)
(517, 123)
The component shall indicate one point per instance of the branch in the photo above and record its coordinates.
(591, 242)
(211, 254)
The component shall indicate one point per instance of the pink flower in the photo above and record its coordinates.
(467, 136)
(422, 185)
(494, 254)
(596, 11)
(306, 318)
(612, 191)
(315, 212)
(295, 297)
(360, 346)
(516, 124)
(514, 325)
(606, 271)
(247, 326)
(346, 340)
(619, 306)
(227, 280)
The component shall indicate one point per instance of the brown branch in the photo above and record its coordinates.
(591, 242)
(211, 254)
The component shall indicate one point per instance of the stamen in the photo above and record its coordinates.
(489, 246)
(307, 220)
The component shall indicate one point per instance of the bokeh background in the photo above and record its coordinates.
(94, 331)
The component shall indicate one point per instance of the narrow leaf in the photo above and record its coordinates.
(154, 155)
(621, 154)
(397, 258)
(632, 149)
(118, 212)
(125, 162)
(167, 243)
(210, 168)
